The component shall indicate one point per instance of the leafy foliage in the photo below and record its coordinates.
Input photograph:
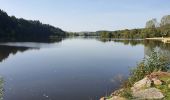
(153, 29)
(12, 27)
(126, 93)
(155, 62)
(165, 20)
(151, 23)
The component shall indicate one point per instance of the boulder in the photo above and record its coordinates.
(151, 93)
(142, 84)
(103, 98)
(117, 92)
(156, 81)
(159, 74)
(116, 98)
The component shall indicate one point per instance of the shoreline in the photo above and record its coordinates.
(164, 40)
(149, 80)
(155, 86)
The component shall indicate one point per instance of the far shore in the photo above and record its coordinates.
(163, 39)
(157, 38)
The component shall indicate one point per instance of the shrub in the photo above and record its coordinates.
(153, 63)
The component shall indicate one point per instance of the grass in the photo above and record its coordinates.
(126, 93)
(1, 88)
(164, 88)
(165, 79)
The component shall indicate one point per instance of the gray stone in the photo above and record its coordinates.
(103, 98)
(156, 81)
(142, 84)
(116, 98)
(151, 93)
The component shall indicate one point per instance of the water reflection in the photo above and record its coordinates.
(39, 40)
(5, 51)
(124, 41)
(164, 48)
(149, 45)
(8, 48)
(69, 69)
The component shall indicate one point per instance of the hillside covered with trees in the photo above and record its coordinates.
(12, 28)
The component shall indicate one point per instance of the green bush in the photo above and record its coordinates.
(153, 63)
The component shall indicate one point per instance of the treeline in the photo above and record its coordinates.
(21, 29)
(152, 29)
(83, 34)
(138, 33)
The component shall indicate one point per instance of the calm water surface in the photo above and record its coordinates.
(72, 69)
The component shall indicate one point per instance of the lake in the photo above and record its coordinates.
(69, 69)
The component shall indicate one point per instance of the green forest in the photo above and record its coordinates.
(152, 29)
(12, 28)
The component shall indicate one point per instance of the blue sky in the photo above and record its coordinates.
(88, 15)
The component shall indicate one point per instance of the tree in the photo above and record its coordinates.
(21, 29)
(165, 20)
(152, 23)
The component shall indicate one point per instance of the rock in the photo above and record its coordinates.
(117, 92)
(116, 98)
(142, 84)
(103, 98)
(156, 81)
(159, 74)
(151, 93)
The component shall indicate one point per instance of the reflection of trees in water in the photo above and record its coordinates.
(130, 42)
(153, 44)
(39, 40)
(104, 39)
(54, 40)
(124, 41)
(5, 51)
(1, 88)
(164, 48)
(149, 45)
